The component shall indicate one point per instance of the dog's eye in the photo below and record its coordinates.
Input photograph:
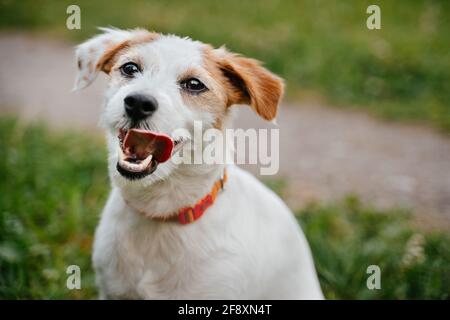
(193, 85)
(129, 69)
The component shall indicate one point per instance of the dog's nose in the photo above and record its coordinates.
(139, 106)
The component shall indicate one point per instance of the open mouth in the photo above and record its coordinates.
(141, 151)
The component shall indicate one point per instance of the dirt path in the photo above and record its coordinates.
(325, 153)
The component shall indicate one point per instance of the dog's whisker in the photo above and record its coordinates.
(146, 126)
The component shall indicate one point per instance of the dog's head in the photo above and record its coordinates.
(162, 83)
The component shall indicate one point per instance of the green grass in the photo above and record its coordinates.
(346, 238)
(53, 186)
(51, 191)
(322, 46)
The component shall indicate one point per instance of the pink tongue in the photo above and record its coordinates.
(140, 143)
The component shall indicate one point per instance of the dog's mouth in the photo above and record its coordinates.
(141, 151)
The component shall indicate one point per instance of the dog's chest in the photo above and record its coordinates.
(129, 258)
(143, 260)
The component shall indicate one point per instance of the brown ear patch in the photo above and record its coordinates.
(250, 83)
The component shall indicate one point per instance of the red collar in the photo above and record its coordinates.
(190, 214)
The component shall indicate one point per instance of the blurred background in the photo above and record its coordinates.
(364, 129)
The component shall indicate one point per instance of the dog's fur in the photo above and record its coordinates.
(248, 244)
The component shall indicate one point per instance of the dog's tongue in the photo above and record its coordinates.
(140, 144)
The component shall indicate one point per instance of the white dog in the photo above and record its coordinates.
(169, 231)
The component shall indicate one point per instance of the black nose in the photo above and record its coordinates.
(140, 106)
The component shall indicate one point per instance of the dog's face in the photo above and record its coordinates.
(160, 84)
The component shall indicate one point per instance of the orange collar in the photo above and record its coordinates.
(190, 214)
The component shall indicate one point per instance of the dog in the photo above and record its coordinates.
(186, 231)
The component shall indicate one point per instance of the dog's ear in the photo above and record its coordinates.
(97, 54)
(250, 83)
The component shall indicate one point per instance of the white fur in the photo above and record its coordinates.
(248, 245)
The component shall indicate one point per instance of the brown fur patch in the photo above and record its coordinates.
(222, 87)
(109, 57)
(246, 81)
(214, 100)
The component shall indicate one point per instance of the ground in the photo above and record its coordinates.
(325, 153)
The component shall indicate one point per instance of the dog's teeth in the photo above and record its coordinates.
(147, 160)
(134, 167)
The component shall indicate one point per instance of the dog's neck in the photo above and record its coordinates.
(185, 186)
